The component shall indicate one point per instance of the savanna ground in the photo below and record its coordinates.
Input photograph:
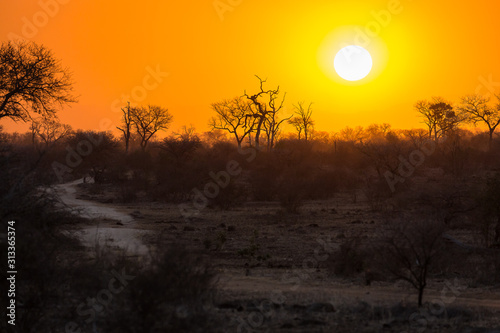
(282, 272)
(307, 238)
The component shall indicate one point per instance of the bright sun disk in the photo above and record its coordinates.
(353, 63)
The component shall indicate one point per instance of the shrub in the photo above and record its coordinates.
(230, 196)
(171, 294)
(350, 259)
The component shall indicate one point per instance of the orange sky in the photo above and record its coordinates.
(425, 48)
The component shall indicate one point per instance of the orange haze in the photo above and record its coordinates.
(420, 48)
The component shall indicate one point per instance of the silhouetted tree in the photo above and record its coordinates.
(272, 128)
(213, 137)
(353, 135)
(297, 125)
(418, 137)
(183, 144)
(265, 105)
(46, 132)
(126, 126)
(31, 80)
(408, 248)
(439, 116)
(101, 149)
(150, 120)
(477, 110)
(232, 116)
(302, 122)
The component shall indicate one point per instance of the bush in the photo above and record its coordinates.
(172, 294)
(263, 182)
(293, 188)
(350, 259)
(49, 277)
(230, 196)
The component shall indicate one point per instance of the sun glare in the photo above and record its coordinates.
(353, 63)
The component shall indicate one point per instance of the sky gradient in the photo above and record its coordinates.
(211, 50)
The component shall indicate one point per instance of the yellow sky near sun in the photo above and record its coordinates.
(425, 48)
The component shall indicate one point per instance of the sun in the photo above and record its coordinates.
(353, 63)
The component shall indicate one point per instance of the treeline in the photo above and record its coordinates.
(295, 170)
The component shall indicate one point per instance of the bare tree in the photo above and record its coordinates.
(439, 116)
(31, 80)
(272, 128)
(378, 132)
(477, 110)
(297, 125)
(265, 105)
(45, 132)
(150, 120)
(214, 137)
(126, 126)
(408, 248)
(182, 144)
(417, 137)
(353, 135)
(302, 121)
(232, 116)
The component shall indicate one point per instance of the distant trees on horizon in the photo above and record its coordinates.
(34, 82)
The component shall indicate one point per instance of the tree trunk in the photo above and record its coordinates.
(490, 142)
(420, 295)
(257, 133)
(497, 230)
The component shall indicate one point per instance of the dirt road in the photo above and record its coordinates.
(122, 232)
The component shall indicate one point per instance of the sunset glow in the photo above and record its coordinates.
(204, 52)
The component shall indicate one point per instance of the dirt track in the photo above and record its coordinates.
(121, 233)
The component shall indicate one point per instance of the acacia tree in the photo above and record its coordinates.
(232, 116)
(477, 110)
(150, 120)
(265, 104)
(302, 121)
(31, 80)
(126, 126)
(439, 116)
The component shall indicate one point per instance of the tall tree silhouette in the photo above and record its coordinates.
(232, 116)
(126, 125)
(31, 80)
(302, 121)
(265, 104)
(150, 120)
(439, 116)
(477, 110)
